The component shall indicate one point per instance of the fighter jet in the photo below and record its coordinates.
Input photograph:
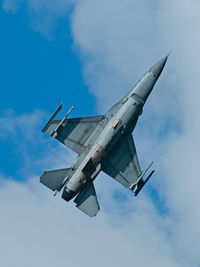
(103, 143)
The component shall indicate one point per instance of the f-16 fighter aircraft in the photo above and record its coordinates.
(103, 143)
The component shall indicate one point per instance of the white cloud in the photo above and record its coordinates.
(114, 39)
(27, 123)
(37, 230)
(35, 151)
(117, 40)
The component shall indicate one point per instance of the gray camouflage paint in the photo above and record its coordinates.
(122, 123)
(102, 142)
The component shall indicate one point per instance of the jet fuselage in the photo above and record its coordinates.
(103, 143)
(121, 124)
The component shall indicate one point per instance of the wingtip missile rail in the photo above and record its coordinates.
(136, 187)
(54, 132)
(52, 117)
(141, 184)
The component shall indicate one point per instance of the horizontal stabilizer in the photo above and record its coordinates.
(87, 201)
(55, 179)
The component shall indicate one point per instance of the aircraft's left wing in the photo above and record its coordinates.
(122, 163)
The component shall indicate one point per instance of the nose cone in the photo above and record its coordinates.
(158, 67)
(146, 84)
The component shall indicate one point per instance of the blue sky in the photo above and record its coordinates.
(37, 73)
(89, 53)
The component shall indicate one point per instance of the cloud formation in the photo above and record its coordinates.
(39, 230)
(28, 146)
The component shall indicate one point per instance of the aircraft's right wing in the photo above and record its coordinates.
(74, 133)
(122, 163)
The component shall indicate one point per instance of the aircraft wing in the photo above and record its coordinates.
(75, 133)
(122, 163)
